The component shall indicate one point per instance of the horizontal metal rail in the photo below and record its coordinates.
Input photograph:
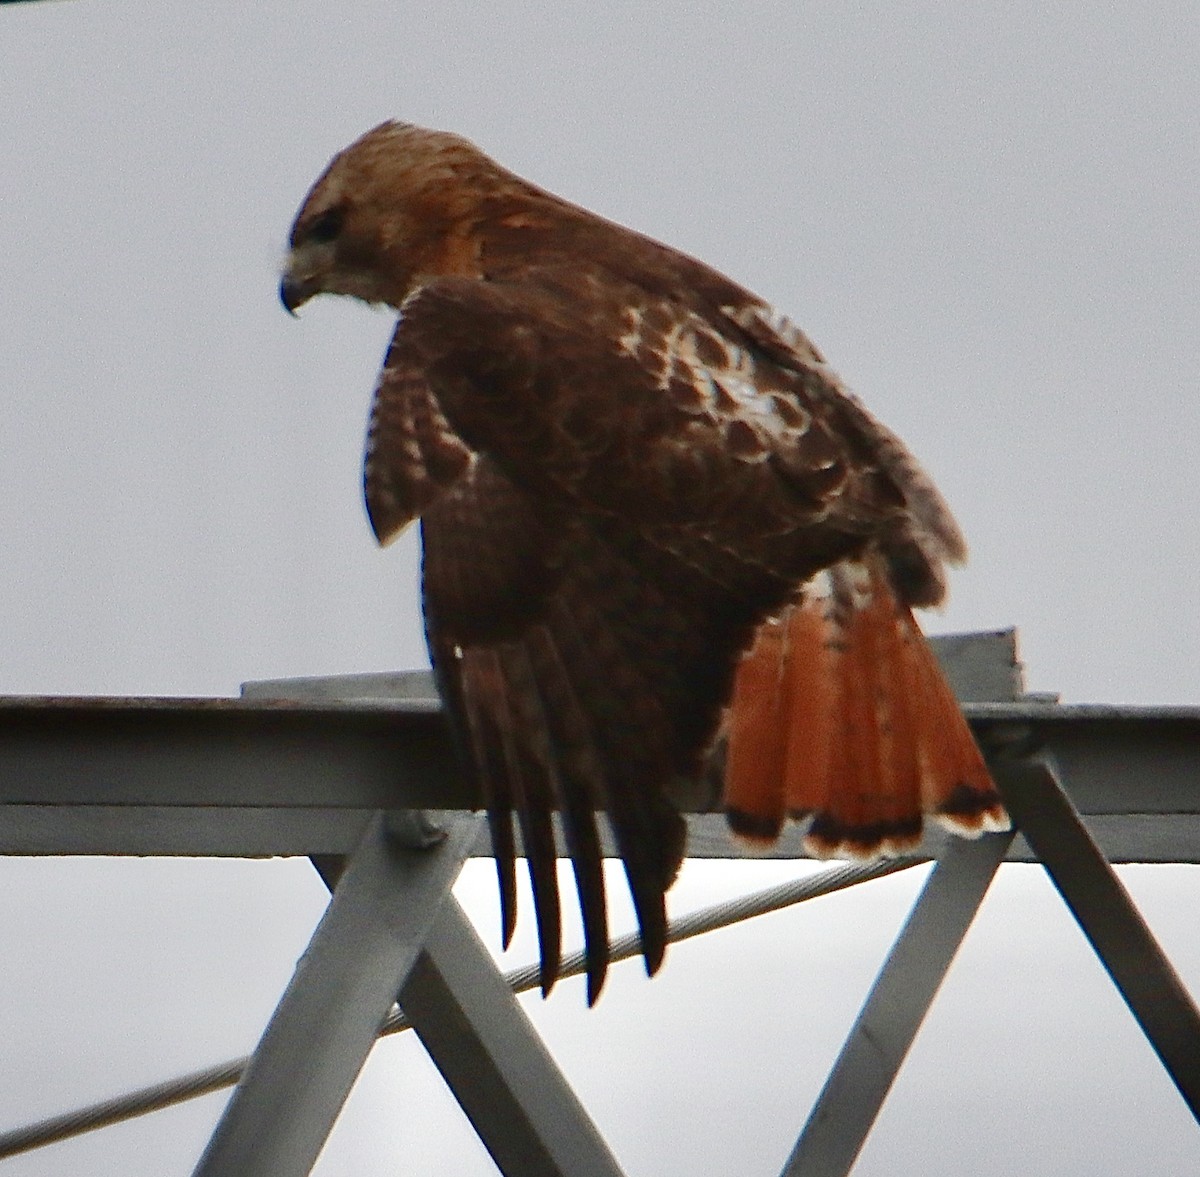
(249, 778)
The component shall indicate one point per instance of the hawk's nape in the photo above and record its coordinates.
(654, 524)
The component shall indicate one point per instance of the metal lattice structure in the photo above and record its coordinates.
(357, 773)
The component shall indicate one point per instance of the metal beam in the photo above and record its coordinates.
(227, 752)
(894, 1009)
(257, 832)
(325, 1025)
(364, 756)
(263, 777)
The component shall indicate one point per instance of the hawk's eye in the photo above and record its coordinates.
(327, 226)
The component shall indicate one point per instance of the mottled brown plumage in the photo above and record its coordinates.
(627, 471)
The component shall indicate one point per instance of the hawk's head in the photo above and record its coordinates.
(397, 206)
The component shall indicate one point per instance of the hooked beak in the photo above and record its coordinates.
(293, 293)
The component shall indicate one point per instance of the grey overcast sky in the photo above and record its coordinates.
(985, 214)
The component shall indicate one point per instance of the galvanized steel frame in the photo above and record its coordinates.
(345, 782)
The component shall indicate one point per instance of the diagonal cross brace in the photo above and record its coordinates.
(1108, 917)
(894, 1009)
(390, 893)
(906, 986)
(391, 926)
(495, 1062)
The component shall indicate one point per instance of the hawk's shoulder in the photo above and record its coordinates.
(412, 454)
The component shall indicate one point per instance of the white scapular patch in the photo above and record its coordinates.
(845, 586)
(736, 388)
(630, 340)
(728, 382)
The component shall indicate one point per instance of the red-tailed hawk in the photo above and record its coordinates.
(657, 527)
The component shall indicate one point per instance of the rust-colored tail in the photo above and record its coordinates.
(840, 712)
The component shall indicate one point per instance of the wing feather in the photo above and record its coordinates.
(631, 738)
(931, 522)
(531, 772)
(581, 777)
(473, 702)
(551, 667)
(412, 455)
(640, 494)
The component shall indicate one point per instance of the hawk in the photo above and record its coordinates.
(660, 536)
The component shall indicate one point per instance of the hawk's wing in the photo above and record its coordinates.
(928, 527)
(412, 454)
(582, 667)
(579, 680)
(616, 492)
(839, 710)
